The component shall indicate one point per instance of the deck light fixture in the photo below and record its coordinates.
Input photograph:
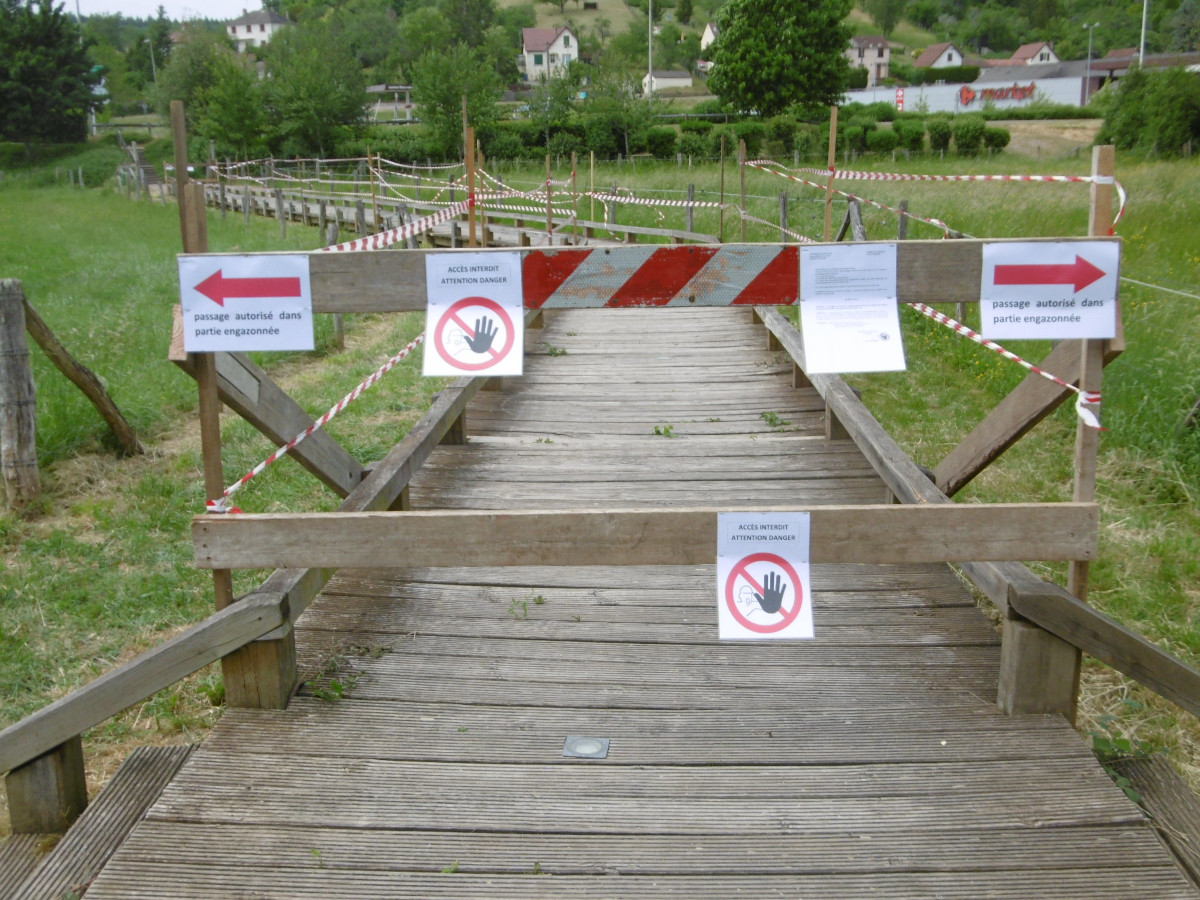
(586, 748)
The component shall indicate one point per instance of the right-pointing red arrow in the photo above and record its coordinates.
(1080, 274)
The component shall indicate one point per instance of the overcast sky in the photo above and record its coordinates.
(177, 10)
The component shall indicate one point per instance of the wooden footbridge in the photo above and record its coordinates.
(529, 574)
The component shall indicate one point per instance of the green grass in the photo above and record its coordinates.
(104, 570)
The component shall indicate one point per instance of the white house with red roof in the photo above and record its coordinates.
(1040, 53)
(546, 52)
(253, 29)
(940, 56)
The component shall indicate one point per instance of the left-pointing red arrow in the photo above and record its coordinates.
(217, 288)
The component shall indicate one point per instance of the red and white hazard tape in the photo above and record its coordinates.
(412, 229)
(849, 175)
(775, 225)
(609, 197)
(1087, 403)
(220, 506)
(416, 168)
(937, 223)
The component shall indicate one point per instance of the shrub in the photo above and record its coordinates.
(781, 130)
(857, 79)
(694, 145)
(854, 138)
(564, 143)
(940, 132)
(505, 144)
(696, 126)
(661, 143)
(882, 141)
(810, 139)
(910, 134)
(714, 141)
(752, 132)
(996, 139)
(599, 137)
(968, 134)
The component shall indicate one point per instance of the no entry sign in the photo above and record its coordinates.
(763, 589)
(474, 314)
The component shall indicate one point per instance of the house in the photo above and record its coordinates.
(940, 56)
(546, 52)
(253, 29)
(871, 53)
(664, 79)
(1039, 53)
(711, 33)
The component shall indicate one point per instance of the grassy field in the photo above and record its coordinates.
(102, 570)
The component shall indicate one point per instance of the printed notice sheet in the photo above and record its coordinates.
(763, 584)
(848, 309)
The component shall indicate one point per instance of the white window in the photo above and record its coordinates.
(566, 59)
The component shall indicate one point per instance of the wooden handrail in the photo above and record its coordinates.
(1010, 585)
(115, 690)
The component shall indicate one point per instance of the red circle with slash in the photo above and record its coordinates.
(451, 315)
(742, 570)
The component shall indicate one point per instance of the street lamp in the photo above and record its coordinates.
(153, 66)
(650, 32)
(1142, 42)
(1087, 83)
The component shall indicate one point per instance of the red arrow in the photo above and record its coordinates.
(217, 288)
(1080, 273)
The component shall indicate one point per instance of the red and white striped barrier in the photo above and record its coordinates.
(221, 505)
(1087, 403)
(412, 229)
(697, 275)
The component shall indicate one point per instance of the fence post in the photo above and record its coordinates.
(783, 216)
(47, 794)
(18, 408)
(742, 168)
(691, 210)
(279, 212)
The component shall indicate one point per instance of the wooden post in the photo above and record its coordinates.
(360, 217)
(279, 212)
(372, 164)
(721, 219)
(1039, 671)
(469, 147)
(742, 170)
(833, 117)
(221, 196)
(47, 794)
(1087, 440)
(246, 201)
(262, 674)
(902, 228)
(549, 205)
(485, 238)
(574, 201)
(691, 210)
(592, 186)
(18, 406)
(783, 216)
(322, 217)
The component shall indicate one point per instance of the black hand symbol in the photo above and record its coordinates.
(772, 596)
(485, 332)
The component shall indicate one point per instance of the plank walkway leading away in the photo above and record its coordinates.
(870, 761)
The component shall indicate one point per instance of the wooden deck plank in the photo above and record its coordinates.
(870, 761)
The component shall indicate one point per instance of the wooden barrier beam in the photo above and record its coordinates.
(851, 534)
(927, 271)
(249, 391)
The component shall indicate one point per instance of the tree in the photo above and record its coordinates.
(46, 77)
(886, 14)
(231, 108)
(314, 84)
(1185, 27)
(560, 5)
(775, 53)
(191, 70)
(683, 12)
(441, 80)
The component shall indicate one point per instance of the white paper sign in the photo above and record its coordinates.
(848, 312)
(1051, 291)
(763, 585)
(475, 318)
(236, 303)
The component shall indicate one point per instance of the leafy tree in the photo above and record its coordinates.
(1156, 111)
(924, 13)
(499, 49)
(560, 5)
(552, 102)
(775, 53)
(684, 12)
(471, 18)
(422, 31)
(886, 14)
(441, 80)
(1185, 27)
(370, 29)
(612, 101)
(314, 85)
(46, 77)
(231, 108)
(191, 70)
